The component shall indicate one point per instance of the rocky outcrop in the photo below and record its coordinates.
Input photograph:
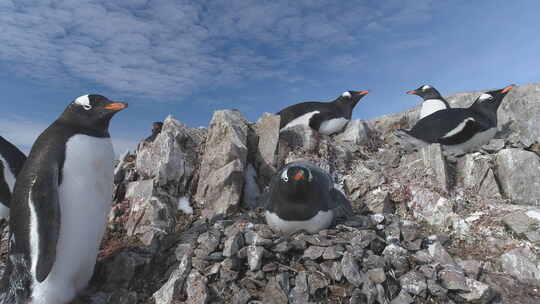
(519, 175)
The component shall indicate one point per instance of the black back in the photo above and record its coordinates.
(340, 107)
(14, 159)
(299, 201)
(434, 127)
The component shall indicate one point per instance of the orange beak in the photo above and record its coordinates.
(508, 88)
(413, 92)
(116, 106)
(299, 175)
(362, 93)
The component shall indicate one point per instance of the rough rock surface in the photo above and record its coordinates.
(425, 228)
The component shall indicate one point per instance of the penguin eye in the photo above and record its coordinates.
(87, 107)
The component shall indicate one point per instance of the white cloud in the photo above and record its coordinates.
(159, 48)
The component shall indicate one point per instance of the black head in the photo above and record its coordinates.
(351, 97)
(489, 102)
(295, 180)
(426, 92)
(156, 127)
(92, 112)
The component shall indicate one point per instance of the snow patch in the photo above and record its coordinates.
(184, 206)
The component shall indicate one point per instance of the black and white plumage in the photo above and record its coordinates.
(11, 163)
(432, 100)
(459, 130)
(302, 196)
(325, 117)
(60, 204)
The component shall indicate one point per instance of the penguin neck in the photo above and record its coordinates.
(100, 130)
(346, 105)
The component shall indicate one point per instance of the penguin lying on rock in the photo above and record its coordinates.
(302, 196)
(459, 130)
(60, 204)
(433, 101)
(11, 162)
(325, 117)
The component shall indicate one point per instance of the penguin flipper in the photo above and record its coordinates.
(340, 204)
(44, 202)
(461, 133)
(317, 119)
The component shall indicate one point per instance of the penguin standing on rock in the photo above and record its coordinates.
(325, 117)
(302, 196)
(11, 163)
(433, 101)
(459, 130)
(60, 205)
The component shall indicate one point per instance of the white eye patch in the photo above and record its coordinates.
(83, 101)
(426, 87)
(346, 94)
(485, 96)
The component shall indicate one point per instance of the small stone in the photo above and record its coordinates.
(439, 254)
(374, 261)
(436, 290)
(227, 272)
(255, 256)
(452, 278)
(337, 291)
(522, 264)
(409, 230)
(196, 288)
(472, 268)
(333, 252)
(479, 292)
(414, 283)
(241, 296)
(270, 267)
(233, 244)
(314, 252)
(351, 271)
(429, 271)
(377, 275)
(176, 281)
(422, 257)
(397, 257)
(300, 293)
(316, 282)
(378, 201)
(403, 298)
(282, 247)
(273, 293)
(253, 238)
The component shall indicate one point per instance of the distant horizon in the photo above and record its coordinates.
(189, 59)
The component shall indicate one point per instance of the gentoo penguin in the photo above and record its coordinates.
(325, 117)
(11, 162)
(60, 204)
(302, 196)
(459, 130)
(433, 101)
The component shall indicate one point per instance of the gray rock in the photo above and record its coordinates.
(429, 205)
(436, 290)
(314, 252)
(479, 292)
(520, 110)
(519, 175)
(397, 257)
(122, 296)
(409, 230)
(251, 191)
(414, 283)
(356, 132)
(472, 268)
(361, 180)
(255, 257)
(300, 293)
(478, 176)
(121, 270)
(273, 293)
(350, 270)
(378, 201)
(297, 138)
(221, 176)
(377, 275)
(439, 254)
(255, 238)
(316, 282)
(433, 158)
(522, 264)
(176, 281)
(196, 289)
(525, 224)
(228, 271)
(495, 145)
(453, 278)
(267, 130)
(240, 296)
(233, 244)
(333, 252)
(403, 298)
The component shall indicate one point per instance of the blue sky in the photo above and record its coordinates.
(189, 58)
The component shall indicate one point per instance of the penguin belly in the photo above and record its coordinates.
(85, 201)
(431, 106)
(322, 220)
(479, 139)
(332, 126)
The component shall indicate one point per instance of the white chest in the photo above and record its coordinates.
(332, 126)
(321, 221)
(300, 120)
(431, 106)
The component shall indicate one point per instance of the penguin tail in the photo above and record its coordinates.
(16, 281)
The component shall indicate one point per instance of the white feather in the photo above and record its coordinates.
(332, 126)
(300, 120)
(346, 94)
(431, 106)
(33, 236)
(322, 220)
(10, 180)
(485, 96)
(85, 201)
(83, 100)
(426, 87)
(459, 128)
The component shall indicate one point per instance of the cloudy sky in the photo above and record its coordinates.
(189, 58)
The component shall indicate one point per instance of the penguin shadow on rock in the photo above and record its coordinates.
(303, 197)
(458, 130)
(324, 117)
(60, 204)
(11, 163)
